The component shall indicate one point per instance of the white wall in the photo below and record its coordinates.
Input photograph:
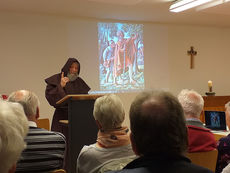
(211, 63)
(34, 47)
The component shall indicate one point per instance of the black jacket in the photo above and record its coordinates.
(162, 164)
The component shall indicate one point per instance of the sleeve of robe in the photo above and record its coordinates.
(54, 92)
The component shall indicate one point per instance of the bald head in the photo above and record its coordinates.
(19, 95)
(152, 105)
(28, 100)
(157, 124)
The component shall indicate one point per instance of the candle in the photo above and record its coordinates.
(210, 85)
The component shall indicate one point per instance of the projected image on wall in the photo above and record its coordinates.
(121, 56)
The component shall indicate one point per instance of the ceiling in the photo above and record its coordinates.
(127, 10)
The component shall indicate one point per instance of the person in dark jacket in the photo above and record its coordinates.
(159, 135)
(62, 84)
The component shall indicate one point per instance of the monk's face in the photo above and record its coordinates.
(74, 68)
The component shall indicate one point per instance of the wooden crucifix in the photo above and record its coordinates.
(192, 53)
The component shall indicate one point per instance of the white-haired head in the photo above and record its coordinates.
(109, 112)
(227, 114)
(192, 102)
(13, 129)
(227, 106)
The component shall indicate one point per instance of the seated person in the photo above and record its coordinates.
(112, 141)
(45, 149)
(199, 137)
(226, 169)
(223, 147)
(159, 136)
(14, 128)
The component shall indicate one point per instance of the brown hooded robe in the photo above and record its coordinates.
(54, 92)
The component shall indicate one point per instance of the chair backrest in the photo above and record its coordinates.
(218, 136)
(206, 159)
(43, 123)
(58, 171)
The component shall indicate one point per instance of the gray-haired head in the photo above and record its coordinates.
(27, 99)
(109, 111)
(227, 114)
(227, 106)
(192, 102)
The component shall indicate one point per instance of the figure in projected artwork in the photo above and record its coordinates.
(108, 59)
(125, 53)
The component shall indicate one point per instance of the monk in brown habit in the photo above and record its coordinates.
(62, 84)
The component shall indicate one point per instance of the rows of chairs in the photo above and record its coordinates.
(43, 123)
(205, 159)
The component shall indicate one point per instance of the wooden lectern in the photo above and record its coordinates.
(82, 129)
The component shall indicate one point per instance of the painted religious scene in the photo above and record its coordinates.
(121, 56)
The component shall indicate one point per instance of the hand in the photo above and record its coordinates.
(64, 80)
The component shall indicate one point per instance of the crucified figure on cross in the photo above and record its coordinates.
(192, 53)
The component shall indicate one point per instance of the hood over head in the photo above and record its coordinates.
(67, 65)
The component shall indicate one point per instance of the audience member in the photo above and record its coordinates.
(112, 140)
(226, 169)
(159, 135)
(223, 147)
(13, 129)
(45, 149)
(200, 138)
